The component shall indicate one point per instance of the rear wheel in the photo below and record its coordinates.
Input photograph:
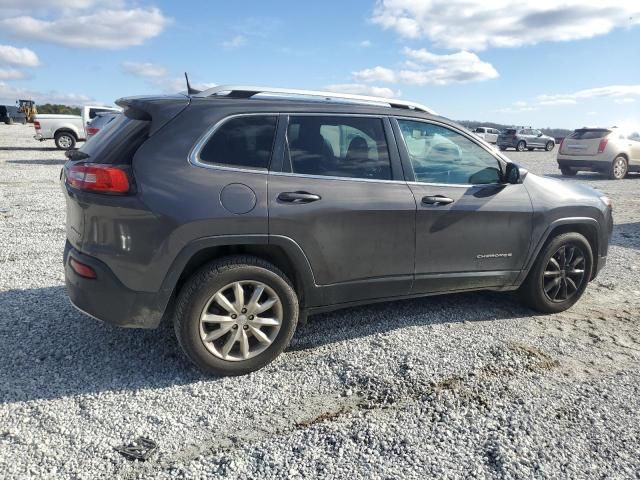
(568, 172)
(560, 275)
(619, 168)
(521, 146)
(549, 146)
(235, 315)
(65, 140)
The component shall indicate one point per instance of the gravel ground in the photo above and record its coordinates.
(468, 385)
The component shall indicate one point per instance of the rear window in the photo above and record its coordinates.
(244, 141)
(590, 133)
(117, 142)
(510, 131)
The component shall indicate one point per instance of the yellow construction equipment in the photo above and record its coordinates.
(28, 107)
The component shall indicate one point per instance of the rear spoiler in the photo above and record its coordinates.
(157, 110)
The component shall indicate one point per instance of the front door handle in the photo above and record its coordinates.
(436, 200)
(298, 197)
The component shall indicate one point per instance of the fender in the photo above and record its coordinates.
(533, 255)
(292, 249)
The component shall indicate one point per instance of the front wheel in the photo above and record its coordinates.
(65, 140)
(560, 275)
(521, 146)
(619, 168)
(549, 146)
(235, 315)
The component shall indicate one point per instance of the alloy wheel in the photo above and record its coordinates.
(65, 141)
(241, 320)
(564, 274)
(619, 167)
(520, 147)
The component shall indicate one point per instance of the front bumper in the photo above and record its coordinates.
(105, 298)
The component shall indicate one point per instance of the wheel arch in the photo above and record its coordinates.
(586, 226)
(66, 130)
(282, 252)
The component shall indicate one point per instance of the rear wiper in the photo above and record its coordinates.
(75, 155)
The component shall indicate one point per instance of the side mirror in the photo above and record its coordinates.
(512, 173)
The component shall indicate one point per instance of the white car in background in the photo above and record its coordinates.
(66, 130)
(490, 135)
(612, 151)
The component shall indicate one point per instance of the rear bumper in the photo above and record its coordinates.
(105, 298)
(38, 136)
(583, 163)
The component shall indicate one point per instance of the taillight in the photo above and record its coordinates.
(98, 178)
(81, 269)
(36, 125)
(92, 130)
(603, 144)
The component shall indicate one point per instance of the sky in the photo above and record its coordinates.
(545, 63)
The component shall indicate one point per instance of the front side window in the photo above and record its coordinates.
(441, 155)
(244, 141)
(338, 146)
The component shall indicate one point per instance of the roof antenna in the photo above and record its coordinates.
(190, 90)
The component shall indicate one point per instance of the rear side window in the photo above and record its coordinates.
(590, 133)
(244, 141)
(338, 146)
(510, 131)
(118, 141)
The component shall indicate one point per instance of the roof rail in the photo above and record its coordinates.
(245, 91)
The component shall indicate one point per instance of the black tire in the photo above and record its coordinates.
(502, 149)
(65, 140)
(521, 146)
(530, 149)
(550, 146)
(619, 168)
(9, 121)
(568, 172)
(532, 291)
(196, 294)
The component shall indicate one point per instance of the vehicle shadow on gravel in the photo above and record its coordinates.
(384, 317)
(50, 350)
(37, 149)
(38, 162)
(626, 235)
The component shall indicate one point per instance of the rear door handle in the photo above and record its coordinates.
(436, 200)
(298, 197)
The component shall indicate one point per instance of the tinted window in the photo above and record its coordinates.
(510, 131)
(590, 133)
(338, 147)
(635, 136)
(118, 141)
(441, 155)
(479, 130)
(244, 141)
(94, 111)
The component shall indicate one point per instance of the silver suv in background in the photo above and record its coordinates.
(610, 151)
(525, 138)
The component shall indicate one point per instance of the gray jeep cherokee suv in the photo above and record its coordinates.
(237, 211)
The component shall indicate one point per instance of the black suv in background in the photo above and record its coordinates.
(525, 139)
(10, 114)
(237, 210)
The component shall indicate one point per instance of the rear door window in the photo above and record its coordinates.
(245, 141)
(338, 146)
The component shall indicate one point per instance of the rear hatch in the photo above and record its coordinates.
(507, 135)
(98, 179)
(585, 142)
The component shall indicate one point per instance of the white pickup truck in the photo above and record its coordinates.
(66, 130)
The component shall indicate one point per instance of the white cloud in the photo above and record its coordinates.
(426, 68)
(361, 89)
(235, 42)
(10, 74)
(110, 29)
(9, 94)
(620, 94)
(18, 56)
(478, 24)
(144, 69)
